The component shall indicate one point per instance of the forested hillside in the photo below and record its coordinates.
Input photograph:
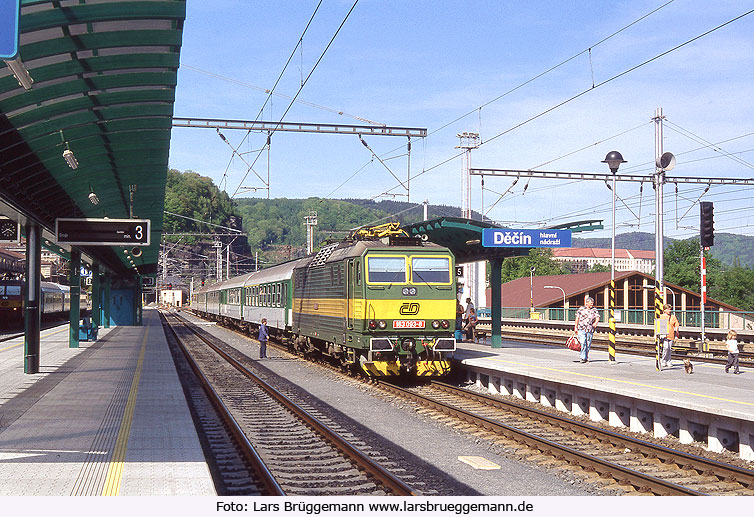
(190, 195)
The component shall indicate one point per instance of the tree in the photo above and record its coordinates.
(191, 195)
(539, 258)
(736, 287)
(681, 263)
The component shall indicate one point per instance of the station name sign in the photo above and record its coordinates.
(103, 232)
(504, 238)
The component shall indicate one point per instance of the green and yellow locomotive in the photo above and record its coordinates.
(386, 307)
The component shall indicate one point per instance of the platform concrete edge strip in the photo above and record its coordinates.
(115, 470)
(620, 381)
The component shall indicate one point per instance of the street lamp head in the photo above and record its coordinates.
(613, 160)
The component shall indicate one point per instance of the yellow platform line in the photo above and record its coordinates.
(21, 343)
(661, 388)
(115, 470)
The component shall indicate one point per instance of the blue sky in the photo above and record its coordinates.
(425, 64)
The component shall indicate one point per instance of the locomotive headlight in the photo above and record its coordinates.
(372, 324)
(436, 324)
(382, 324)
(445, 324)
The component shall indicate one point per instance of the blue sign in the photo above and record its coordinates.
(9, 14)
(505, 238)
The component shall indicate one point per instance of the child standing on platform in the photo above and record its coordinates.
(732, 345)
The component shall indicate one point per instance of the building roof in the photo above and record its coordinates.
(517, 293)
(587, 253)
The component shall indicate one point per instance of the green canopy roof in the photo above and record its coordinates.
(104, 76)
(463, 237)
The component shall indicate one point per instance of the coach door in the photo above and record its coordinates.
(350, 276)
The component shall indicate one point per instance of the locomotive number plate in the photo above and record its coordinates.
(408, 324)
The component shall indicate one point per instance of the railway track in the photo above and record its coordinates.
(7, 336)
(610, 459)
(290, 451)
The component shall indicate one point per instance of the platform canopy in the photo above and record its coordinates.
(463, 237)
(104, 76)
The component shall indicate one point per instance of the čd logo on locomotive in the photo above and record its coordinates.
(409, 309)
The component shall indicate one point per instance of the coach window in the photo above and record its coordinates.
(277, 294)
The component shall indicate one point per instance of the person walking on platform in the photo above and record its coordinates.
(731, 343)
(587, 318)
(263, 335)
(467, 313)
(668, 330)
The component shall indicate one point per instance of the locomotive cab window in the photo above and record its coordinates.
(13, 290)
(431, 270)
(386, 270)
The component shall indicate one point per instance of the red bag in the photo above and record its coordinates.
(573, 343)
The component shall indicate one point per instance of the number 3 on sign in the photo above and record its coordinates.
(139, 233)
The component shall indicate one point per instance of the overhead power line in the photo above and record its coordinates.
(582, 93)
(303, 83)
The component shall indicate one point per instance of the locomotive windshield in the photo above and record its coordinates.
(430, 270)
(386, 270)
(13, 290)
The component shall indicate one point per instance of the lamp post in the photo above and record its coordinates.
(531, 292)
(613, 160)
(565, 314)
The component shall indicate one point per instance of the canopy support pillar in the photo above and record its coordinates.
(496, 289)
(75, 283)
(32, 303)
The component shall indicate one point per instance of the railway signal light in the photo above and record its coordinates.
(706, 224)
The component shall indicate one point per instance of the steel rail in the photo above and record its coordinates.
(248, 450)
(666, 454)
(561, 452)
(377, 471)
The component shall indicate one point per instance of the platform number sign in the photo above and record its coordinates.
(103, 232)
(459, 271)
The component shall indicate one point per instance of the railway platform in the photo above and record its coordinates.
(107, 418)
(708, 406)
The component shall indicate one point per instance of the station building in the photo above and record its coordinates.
(580, 260)
(634, 300)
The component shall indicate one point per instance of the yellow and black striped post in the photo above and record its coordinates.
(658, 313)
(611, 344)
